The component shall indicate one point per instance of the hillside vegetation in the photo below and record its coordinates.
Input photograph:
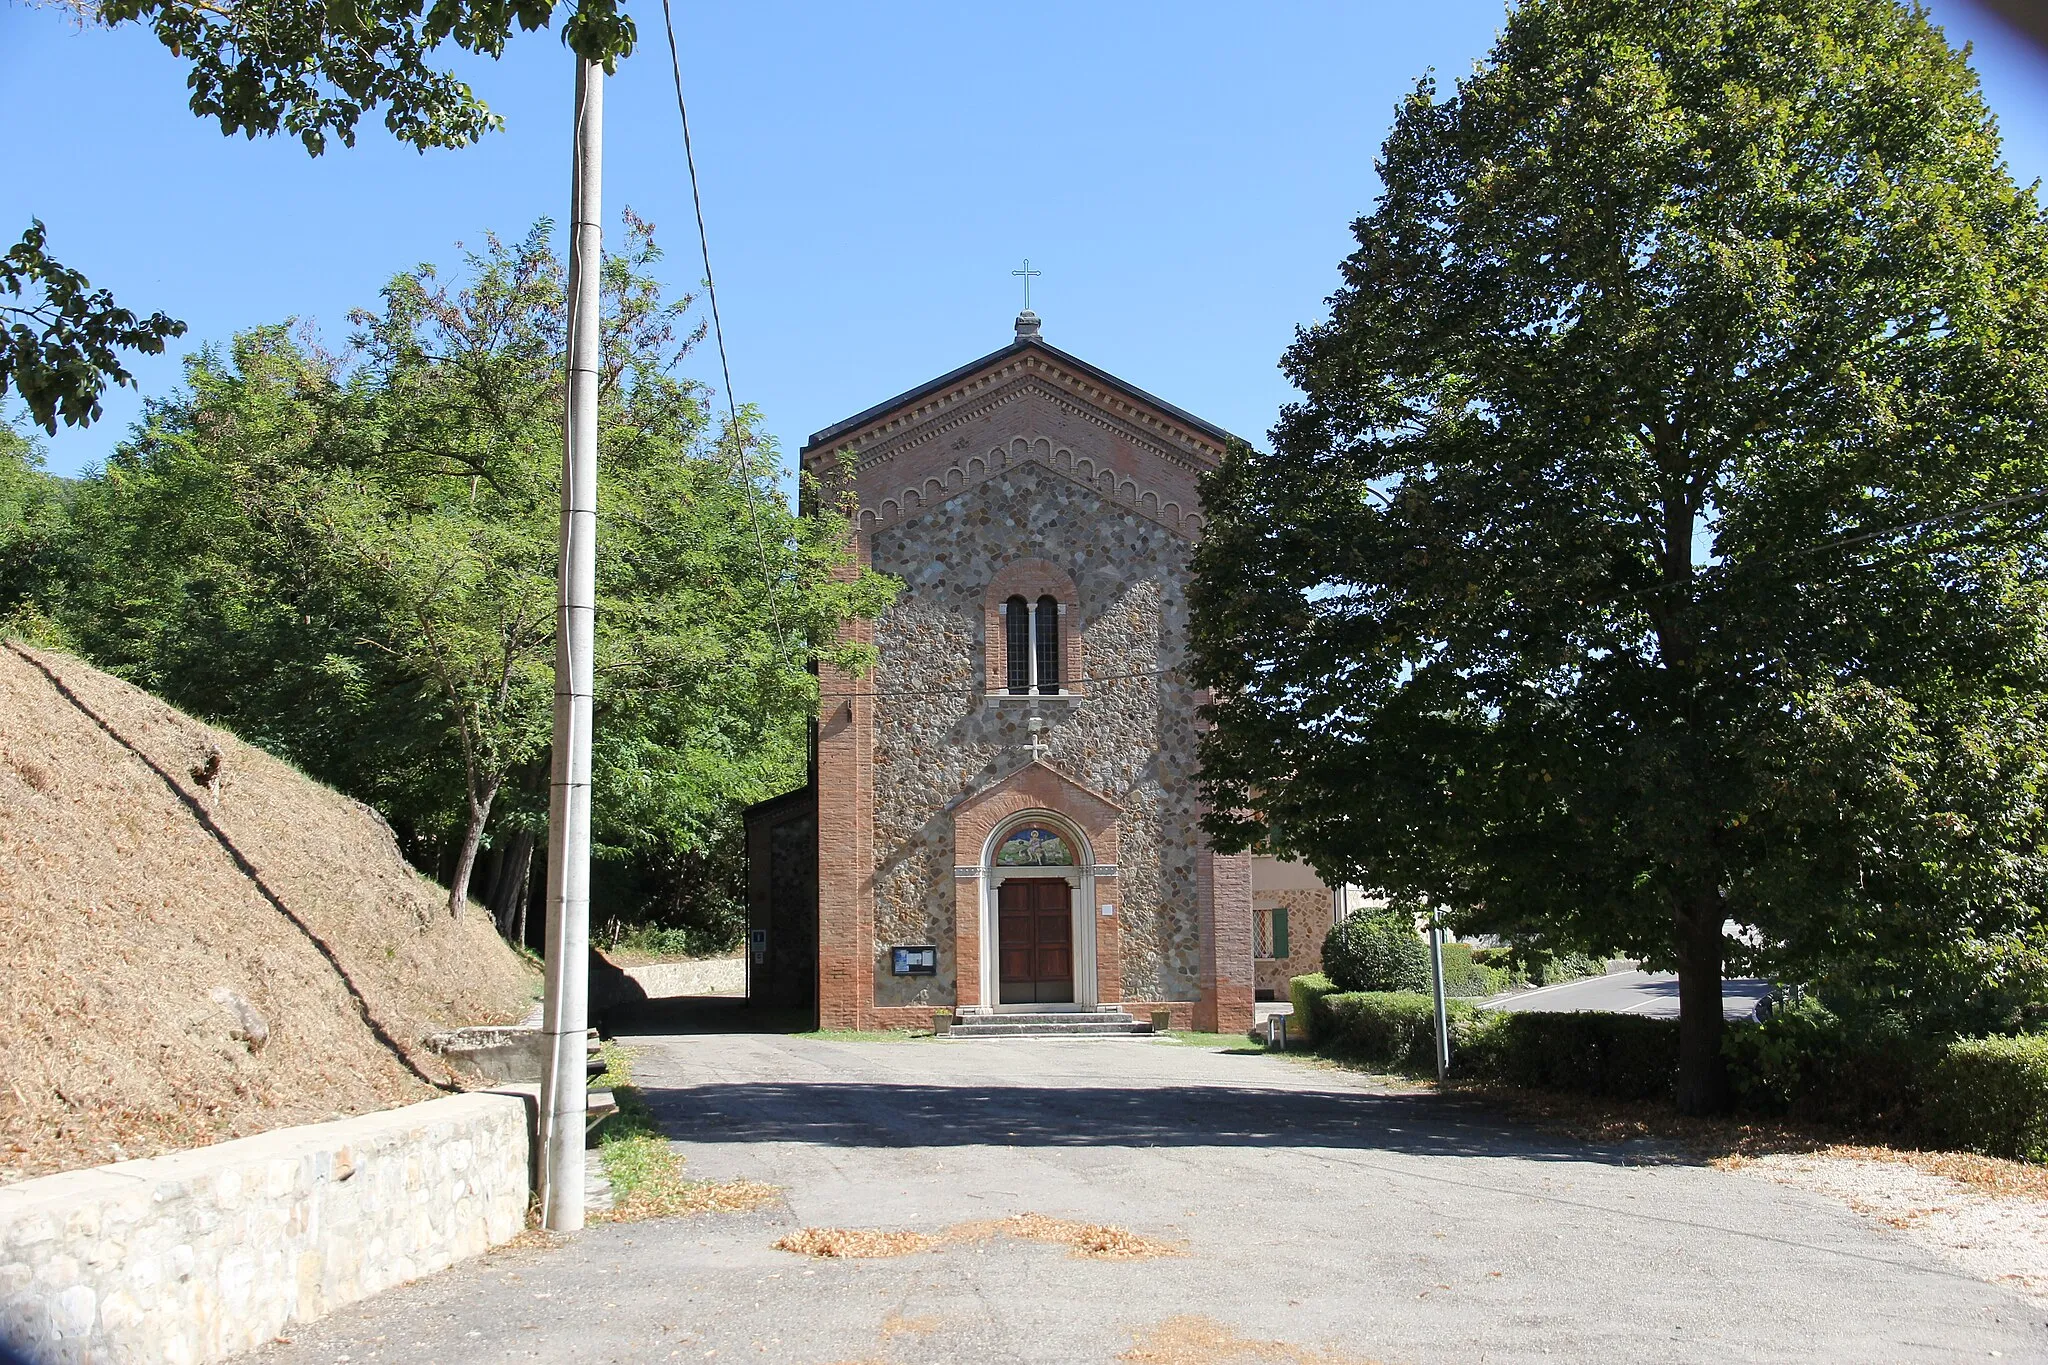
(199, 942)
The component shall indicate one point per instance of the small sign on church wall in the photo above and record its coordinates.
(915, 961)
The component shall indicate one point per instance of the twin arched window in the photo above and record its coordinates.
(1031, 644)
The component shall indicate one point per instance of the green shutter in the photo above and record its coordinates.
(1280, 933)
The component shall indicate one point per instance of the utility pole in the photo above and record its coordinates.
(1443, 1022)
(564, 1087)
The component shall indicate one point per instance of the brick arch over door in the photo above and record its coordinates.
(1031, 579)
(1034, 788)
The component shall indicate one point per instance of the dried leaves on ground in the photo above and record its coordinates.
(1191, 1339)
(855, 1243)
(1089, 1241)
(1730, 1140)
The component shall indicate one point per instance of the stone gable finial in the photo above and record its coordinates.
(1027, 326)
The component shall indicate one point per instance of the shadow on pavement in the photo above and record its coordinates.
(900, 1115)
(687, 1014)
(876, 1115)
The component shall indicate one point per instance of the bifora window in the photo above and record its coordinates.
(1034, 846)
(1031, 642)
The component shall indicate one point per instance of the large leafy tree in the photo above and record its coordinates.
(1657, 544)
(353, 559)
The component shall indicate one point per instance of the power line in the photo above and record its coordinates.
(768, 580)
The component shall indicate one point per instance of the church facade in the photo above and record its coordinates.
(1003, 815)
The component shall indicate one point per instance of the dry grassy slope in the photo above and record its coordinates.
(121, 913)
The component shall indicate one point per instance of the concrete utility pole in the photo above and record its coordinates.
(564, 1087)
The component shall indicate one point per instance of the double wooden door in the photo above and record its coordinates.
(1035, 932)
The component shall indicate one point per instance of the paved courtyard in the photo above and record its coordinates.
(1321, 1219)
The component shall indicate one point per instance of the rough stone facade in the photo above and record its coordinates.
(1028, 473)
(1130, 738)
(204, 1254)
(1309, 917)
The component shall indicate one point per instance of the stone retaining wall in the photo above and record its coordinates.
(707, 976)
(202, 1254)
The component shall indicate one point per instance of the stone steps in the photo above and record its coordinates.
(1052, 1024)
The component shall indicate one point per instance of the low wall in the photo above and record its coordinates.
(204, 1253)
(707, 976)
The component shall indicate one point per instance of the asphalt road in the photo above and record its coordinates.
(1651, 993)
(1322, 1220)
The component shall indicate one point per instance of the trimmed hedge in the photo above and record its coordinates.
(1621, 1055)
(1990, 1095)
(1807, 1064)
(1391, 1029)
(1307, 993)
(1986, 1095)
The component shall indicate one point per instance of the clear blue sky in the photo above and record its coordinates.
(1183, 173)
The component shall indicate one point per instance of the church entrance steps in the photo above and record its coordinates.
(1049, 1024)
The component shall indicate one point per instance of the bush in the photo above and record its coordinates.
(1986, 1095)
(1391, 1029)
(1990, 1095)
(1465, 975)
(1807, 1063)
(1376, 953)
(1545, 968)
(1307, 993)
(1621, 1055)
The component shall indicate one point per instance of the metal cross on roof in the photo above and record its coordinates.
(1027, 272)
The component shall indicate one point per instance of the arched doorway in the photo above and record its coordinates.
(1038, 889)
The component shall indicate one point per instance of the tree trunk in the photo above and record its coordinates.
(508, 890)
(472, 839)
(1702, 1071)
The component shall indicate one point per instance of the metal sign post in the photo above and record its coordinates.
(1443, 1023)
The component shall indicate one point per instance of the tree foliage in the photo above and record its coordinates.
(352, 560)
(33, 527)
(1658, 542)
(60, 341)
(260, 67)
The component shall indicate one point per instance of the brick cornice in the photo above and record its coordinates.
(1115, 408)
(1155, 502)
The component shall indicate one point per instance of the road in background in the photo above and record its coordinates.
(1649, 993)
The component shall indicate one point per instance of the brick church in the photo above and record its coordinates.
(1002, 817)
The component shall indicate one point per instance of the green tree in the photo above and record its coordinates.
(1658, 541)
(371, 542)
(34, 526)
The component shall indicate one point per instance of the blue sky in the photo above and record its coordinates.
(1183, 174)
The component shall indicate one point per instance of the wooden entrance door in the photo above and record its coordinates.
(1035, 928)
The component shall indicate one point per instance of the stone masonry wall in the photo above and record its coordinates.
(1309, 917)
(1130, 738)
(203, 1254)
